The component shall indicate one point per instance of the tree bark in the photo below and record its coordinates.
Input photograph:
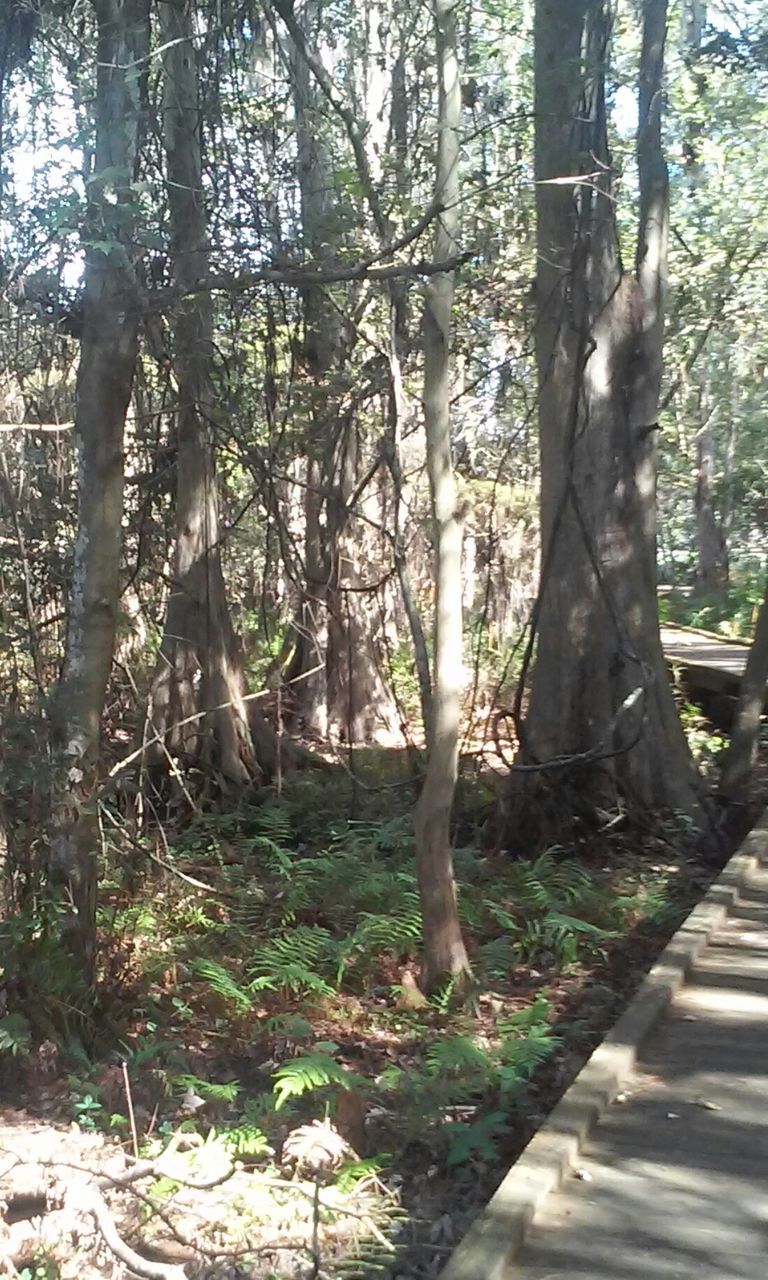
(602, 722)
(739, 759)
(197, 695)
(105, 377)
(711, 549)
(360, 703)
(336, 628)
(444, 951)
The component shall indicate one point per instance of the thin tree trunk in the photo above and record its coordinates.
(306, 676)
(602, 722)
(444, 951)
(711, 550)
(360, 703)
(336, 628)
(739, 759)
(105, 377)
(200, 665)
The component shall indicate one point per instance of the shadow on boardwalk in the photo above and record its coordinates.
(673, 1183)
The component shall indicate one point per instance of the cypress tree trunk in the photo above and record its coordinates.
(602, 726)
(105, 377)
(739, 759)
(197, 696)
(337, 630)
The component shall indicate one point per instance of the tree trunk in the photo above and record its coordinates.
(105, 377)
(360, 702)
(712, 553)
(336, 628)
(694, 18)
(740, 757)
(305, 676)
(197, 695)
(444, 951)
(602, 721)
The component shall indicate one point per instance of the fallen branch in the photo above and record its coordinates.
(92, 1201)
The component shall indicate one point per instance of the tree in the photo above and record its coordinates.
(196, 704)
(602, 724)
(739, 759)
(337, 678)
(444, 951)
(712, 551)
(110, 332)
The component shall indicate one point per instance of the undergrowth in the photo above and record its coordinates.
(284, 998)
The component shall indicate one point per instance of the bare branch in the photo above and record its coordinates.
(307, 277)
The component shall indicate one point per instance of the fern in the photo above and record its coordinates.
(521, 1057)
(288, 976)
(314, 1071)
(221, 981)
(209, 1090)
(292, 962)
(496, 958)
(355, 1172)
(246, 1141)
(526, 1018)
(456, 1055)
(476, 1139)
(387, 932)
(291, 1026)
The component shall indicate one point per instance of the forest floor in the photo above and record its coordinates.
(261, 1090)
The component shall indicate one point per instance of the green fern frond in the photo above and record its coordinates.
(314, 1071)
(516, 1023)
(221, 981)
(289, 1025)
(455, 1055)
(476, 1139)
(246, 1141)
(291, 976)
(496, 958)
(521, 1057)
(210, 1090)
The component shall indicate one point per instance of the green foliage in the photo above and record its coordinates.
(405, 680)
(35, 960)
(245, 1141)
(460, 1069)
(520, 1056)
(731, 612)
(550, 910)
(355, 1172)
(705, 744)
(313, 1071)
(290, 1025)
(221, 981)
(42, 1268)
(15, 1035)
(476, 1139)
(146, 1049)
(208, 1090)
(457, 1056)
(89, 1112)
(291, 962)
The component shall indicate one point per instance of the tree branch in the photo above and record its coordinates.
(306, 277)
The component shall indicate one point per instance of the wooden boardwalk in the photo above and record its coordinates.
(673, 1184)
(706, 661)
